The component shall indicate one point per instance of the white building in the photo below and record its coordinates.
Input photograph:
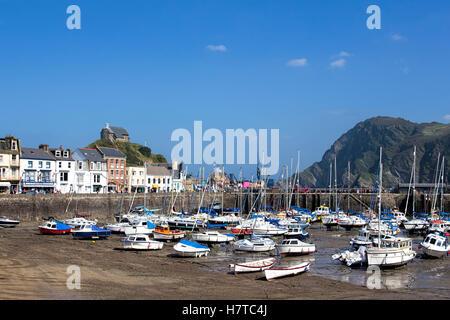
(65, 170)
(158, 179)
(91, 175)
(37, 170)
(136, 178)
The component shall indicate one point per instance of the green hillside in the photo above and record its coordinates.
(360, 145)
(136, 153)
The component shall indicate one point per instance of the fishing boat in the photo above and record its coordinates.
(435, 245)
(392, 252)
(54, 227)
(252, 266)
(187, 248)
(8, 223)
(78, 222)
(399, 216)
(90, 232)
(139, 227)
(212, 236)
(141, 242)
(285, 272)
(165, 233)
(254, 245)
(295, 247)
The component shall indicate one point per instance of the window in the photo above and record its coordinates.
(1, 158)
(133, 173)
(63, 177)
(57, 153)
(59, 164)
(30, 164)
(66, 154)
(159, 180)
(45, 176)
(96, 178)
(14, 146)
(48, 165)
(154, 180)
(149, 180)
(112, 173)
(14, 157)
(121, 164)
(80, 165)
(69, 165)
(164, 180)
(40, 164)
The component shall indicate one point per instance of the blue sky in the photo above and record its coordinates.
(146, 66)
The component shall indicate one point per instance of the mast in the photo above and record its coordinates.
(379, 203)
(348, 191)
(329, 186)
(414, 182)
(335, 185)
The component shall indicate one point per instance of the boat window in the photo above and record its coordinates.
(433, 241)
(439, 244)
(140, 239)
(427, 239)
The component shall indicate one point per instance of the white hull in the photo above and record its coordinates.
(435, 253)
(278, 273)
(271, 232)
(150, 245)
(385, 257)
(211, 237)
(296, 249)
(253, 266)
(137, 230)
(184, 250)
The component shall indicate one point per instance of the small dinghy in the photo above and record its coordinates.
(141, 242)
(91, 232)
(187, 248)
(212, 236)
(295, 247)
(8, 223)
(165, 233)
(254, 245)
(285, 272)
(54, 227)
(252, 266)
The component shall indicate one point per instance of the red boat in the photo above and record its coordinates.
(242, 230)
(54, 227)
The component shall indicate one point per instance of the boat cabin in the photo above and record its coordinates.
(435, 240)
(290, 242)
(399, 243)
(138, 238)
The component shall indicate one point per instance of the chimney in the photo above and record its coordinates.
(43, 147)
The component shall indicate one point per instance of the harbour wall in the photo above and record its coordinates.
(26, 207)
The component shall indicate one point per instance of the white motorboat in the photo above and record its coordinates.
(322, 211)
(284, 272)
(399, 216)
(349, 222)
(352, 258)
(295, 247)
(252, 266)
(117, 227)
(364, 238)
(392, 252)
(416, 225)
(141, 242)
(435, 245)
(187, 248)
(295, 230)
(254, 245)
(437, 226)
(330, 220)
(230, 220)
(139, 227)
(386, 227)
(261, 227)
(212, 236)
(8, 223)
(78, 222)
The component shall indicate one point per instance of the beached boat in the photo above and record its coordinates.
(266, 228)
(330, 220)
(352, 258)
(364, 238)
(322, 211)
(437, 226)
(78, 222)
(252, 266)
(117, 227)
(230, 220)
(285, 272)
(141, 242)
(392, 252)
(295, 231)
(8, 223)
(349, 222)
(254, 245)
(187, 248)
(435, 245)
(295, 247)
(90, 232)
(212, 236)
(165, 233)
(54, 227)
(139, 227)
(243, 228)
(417, 224)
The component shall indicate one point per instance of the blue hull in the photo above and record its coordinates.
(91, 234)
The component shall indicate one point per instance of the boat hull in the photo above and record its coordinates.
(9, 224)
(389, 258)
(52, 231)
(286, 250)
(91, 234)
(162, 236)
(286, 272)
(153, 245)
(254, 266)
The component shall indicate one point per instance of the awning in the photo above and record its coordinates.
(155, 185)
(5, 184)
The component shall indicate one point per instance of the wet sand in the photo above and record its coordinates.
(33, 266)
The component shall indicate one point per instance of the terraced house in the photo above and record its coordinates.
(116, 165)
(37, 170)
(9, 164)
(90, 170)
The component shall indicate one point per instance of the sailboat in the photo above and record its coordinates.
(391, 251)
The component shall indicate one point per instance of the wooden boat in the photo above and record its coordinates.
(8, 223)
(54, 227)
(91, 232)
(295, 247)
(141, 242)
(435, 245)
(252, 266)
(212, 236)
(187, 248)
(165, 233)
(285, 272)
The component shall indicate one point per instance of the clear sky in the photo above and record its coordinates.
(309, 68)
